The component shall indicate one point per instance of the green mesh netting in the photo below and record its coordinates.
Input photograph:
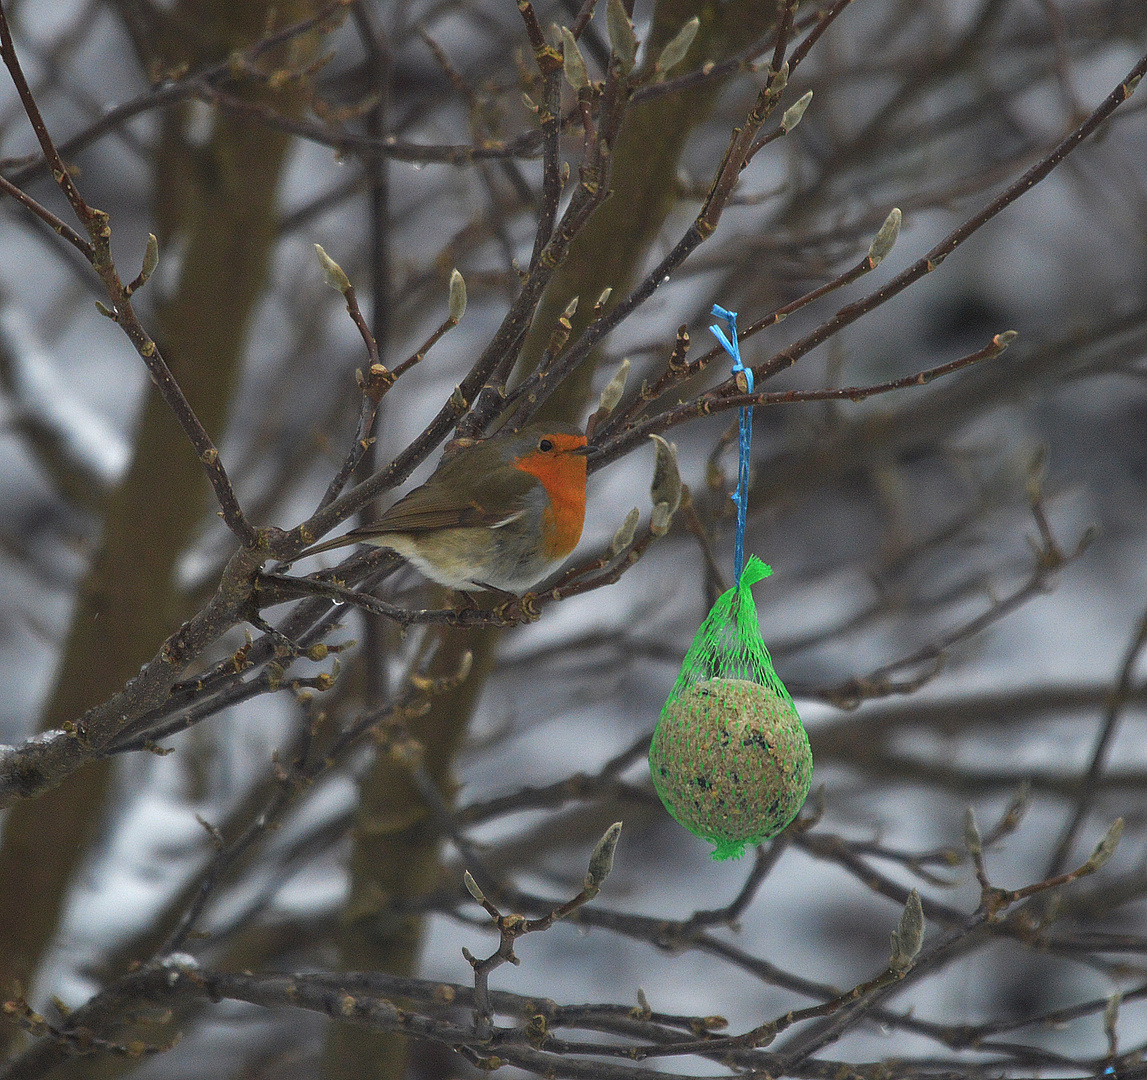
(730, 758)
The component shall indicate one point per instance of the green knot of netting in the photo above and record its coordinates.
(730, 758)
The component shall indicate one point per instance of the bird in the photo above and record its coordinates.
(496, 514)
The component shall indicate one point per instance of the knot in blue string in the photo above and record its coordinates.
(741, 496)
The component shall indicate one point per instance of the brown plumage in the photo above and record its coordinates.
(497, 513)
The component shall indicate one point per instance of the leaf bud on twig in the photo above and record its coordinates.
(611, 395)
(573, 64)
(666, 486)
(793, 114)
(150, 262)
(908, 935)
(972, 839)
(624, 535)
(622, 39)
(457, 295)
(885, 238)
(472, 887)
(601, 861)
(334, 274)
(675, 50)
(1106, 847)
(564, 328)
(1014, 814)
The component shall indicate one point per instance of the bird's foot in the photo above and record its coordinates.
(519, 609)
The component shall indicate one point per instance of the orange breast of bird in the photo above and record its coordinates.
(563, 476)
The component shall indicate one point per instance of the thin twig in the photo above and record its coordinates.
(46, 215)
(98, 227)
(851, 312)
(1087, 788)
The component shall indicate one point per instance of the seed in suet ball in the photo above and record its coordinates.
(731, 762)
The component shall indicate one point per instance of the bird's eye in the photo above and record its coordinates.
(545, 445)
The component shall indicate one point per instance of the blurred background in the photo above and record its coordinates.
(958, 603)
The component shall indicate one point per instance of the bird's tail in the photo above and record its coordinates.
(346, 540)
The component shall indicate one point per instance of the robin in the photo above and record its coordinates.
(498, 513)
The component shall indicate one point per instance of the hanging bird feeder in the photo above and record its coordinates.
(730, 758)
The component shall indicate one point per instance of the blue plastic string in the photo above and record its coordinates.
(741, 495)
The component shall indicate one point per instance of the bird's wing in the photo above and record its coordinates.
(426, 509)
